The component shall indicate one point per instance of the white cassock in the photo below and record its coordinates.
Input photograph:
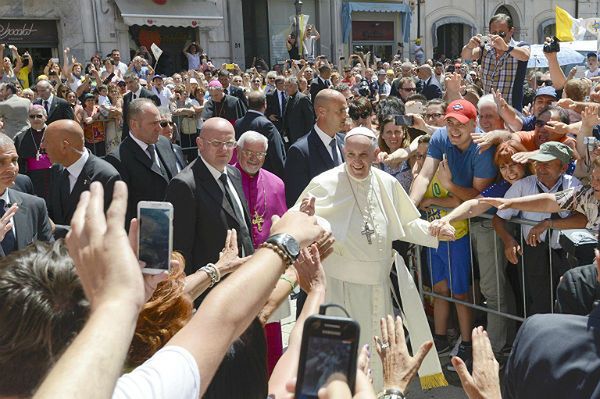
(358, 272)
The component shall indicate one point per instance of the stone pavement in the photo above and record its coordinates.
(452, 391)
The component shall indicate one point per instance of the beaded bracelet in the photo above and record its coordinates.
(284, 278)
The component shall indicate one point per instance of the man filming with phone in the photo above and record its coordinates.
(503, 60)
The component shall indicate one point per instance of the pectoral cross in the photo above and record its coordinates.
(367, 232)
(258, 221)
(37, 155)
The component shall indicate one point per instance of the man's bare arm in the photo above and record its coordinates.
(419, 186)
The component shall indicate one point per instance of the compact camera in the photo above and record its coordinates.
(591, 142)
(553, 46)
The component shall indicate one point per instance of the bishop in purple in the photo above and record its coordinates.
(264, 191)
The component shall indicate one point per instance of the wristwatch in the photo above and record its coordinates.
(510, 48)
(391, 393)
(287, 244)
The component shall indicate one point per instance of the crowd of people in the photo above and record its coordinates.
(381, 164)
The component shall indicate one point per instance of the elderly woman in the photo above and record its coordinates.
(92, 123)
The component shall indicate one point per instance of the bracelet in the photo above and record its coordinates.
(391, 393)
(286, 259)
(284, 278)
(213, 273)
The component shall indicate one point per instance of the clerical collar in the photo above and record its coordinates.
(354, 178)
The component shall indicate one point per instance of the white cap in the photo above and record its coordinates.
(193, 80)
(362, 131)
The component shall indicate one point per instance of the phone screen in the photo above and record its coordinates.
(155, 226)
(404, 120)
(324, 357)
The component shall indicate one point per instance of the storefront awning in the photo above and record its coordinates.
(350, 7)
(182, 13)
(451, 20)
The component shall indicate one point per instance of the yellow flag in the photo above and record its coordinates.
(568, 29)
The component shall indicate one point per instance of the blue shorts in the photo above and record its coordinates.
(455, 255)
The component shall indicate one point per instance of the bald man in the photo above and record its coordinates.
(208, 199)
(74, 170)
(29, 220)
(319, 150)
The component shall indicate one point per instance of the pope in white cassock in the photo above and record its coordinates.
(367, 210)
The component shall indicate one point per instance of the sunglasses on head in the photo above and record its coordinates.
(166, 123)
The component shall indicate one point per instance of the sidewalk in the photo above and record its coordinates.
(452, 391)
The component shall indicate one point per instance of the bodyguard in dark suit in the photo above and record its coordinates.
(299, 116)
(319, 150)
(208, 200)
(135, 91)
(430, 87)
(56, 108)
(256, 121)
(276, 103)
(321, 82)
(74, 170)
(555, 356)
(225, 78)
(29, 214)
(145, 160)
(23, 184)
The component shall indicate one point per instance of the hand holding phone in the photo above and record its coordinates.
(329, 346)
(155, 235)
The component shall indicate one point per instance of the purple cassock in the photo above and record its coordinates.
(265, 193)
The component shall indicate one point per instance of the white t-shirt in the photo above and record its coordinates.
(171, 373)
(193, 60)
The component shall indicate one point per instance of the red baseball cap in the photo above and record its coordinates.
(461, 110)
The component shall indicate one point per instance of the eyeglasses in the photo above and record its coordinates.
(544, 82)
(166, 123)
(258, 155)
(409, 88)
(219, 144)
(434, 115)
(37, 116)
(501, 34)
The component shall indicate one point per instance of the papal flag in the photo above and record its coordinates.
(569, 29)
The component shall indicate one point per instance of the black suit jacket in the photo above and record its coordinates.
(306, 159)
(127, 98)
(274, 109)
(59, 109)
(431, 88)
(256, 121)
(299, 117)
(144, 180)
(95, 169)
(240, 94)
(230, 108)
(31, 220)
(316, 85)
(181, 158)
(555, 356)
(203, 215)
(23, 184)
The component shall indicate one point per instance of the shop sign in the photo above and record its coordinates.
(14, 31)
(372, 31)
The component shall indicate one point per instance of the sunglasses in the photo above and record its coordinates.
(501, 34)
(433, 116)
(166, 123)
(37, 116)
(363, 115)
(544, 82)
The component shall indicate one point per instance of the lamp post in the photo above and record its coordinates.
(298, 5)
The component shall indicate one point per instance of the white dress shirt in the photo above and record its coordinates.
(216, 174)
(76, 168)
(326, 139)
(7, 204)
(144, 148)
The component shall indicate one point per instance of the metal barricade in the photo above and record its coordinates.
(419, 269)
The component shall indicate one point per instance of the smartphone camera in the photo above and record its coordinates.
(553, 46)
(329, 346)
(155, 235)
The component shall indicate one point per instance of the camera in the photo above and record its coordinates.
(591, 142)
(553, 46)
(485, 40)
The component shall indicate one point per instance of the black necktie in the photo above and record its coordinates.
(46, 107)
(230, 198)
(9, 241)
(152, 151)
(282, 103)
(334, 154)
(65, 189)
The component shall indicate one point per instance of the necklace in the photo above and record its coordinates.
(36, 146)
(367, 231)
(257, 219)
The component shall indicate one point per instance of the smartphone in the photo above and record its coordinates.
(54, 60)
(229, 67)
(404, 120)
(580, 72)
(155, 235)
(329, 346)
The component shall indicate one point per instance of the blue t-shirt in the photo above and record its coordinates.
(464, 165)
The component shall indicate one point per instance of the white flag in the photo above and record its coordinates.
(592, 25)
(156, 51)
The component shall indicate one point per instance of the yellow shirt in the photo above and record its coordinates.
(23, 77)
(436, 190)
